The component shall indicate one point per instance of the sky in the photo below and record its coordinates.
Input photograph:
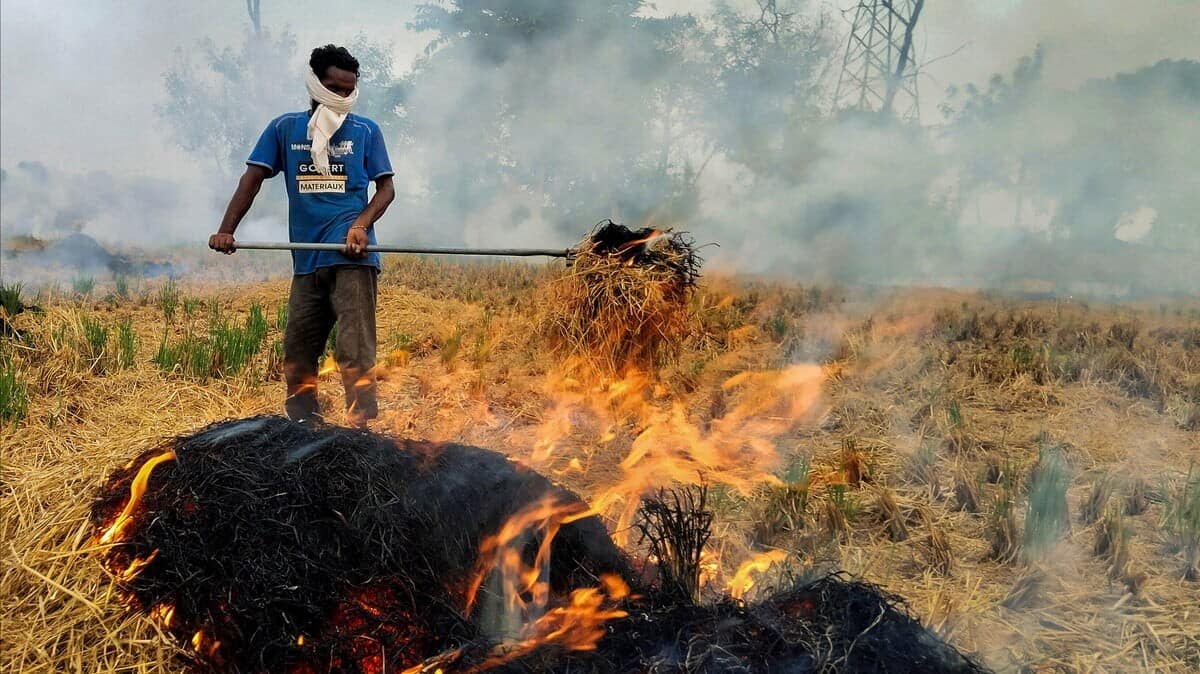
(70, 67)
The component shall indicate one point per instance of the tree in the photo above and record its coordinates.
(220, 101)
(769, 66)
(217, 108)
(548, 99)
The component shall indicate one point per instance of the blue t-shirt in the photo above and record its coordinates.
(322, 208)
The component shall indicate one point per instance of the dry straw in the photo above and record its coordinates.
(624, 298)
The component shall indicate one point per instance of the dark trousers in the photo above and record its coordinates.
(344, 295)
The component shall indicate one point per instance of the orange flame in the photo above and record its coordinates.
(212, 649)
(578, 626)
(164, 613)
(737, 449)
(499, 551)
(654, 234)
(329, 366)
(136, 490)
(743, 580)
(136, 566)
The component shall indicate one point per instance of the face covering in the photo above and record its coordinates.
(326, 119)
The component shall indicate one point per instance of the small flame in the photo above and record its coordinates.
(743, 580)
(136, 490)
(499, 550)
(300, 640)
(654, 234)
(136, 566)
(329, 366)
(197, 639)
(578, 626)
(164, 613)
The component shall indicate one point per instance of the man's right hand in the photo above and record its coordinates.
(222, 243)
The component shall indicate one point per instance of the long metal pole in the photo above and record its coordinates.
(506, 252)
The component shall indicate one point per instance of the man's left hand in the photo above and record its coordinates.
(356, 243)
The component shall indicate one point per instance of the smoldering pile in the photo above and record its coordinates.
(624, 297)
(271, 546)
(829, 624)
(262, 545)
(83, 255)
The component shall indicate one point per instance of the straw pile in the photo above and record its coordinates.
(831, 624)
(266, 545)
(624, 299)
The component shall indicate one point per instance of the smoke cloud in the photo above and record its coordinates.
(1050, 156)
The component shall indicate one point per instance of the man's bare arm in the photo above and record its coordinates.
(243, 197)
(356, 238)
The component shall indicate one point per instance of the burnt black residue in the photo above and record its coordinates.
(647, 247)
(326, 549)
(267, 530)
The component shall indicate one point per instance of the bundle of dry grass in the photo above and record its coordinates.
(624, 298)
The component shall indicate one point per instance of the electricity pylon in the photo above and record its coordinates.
(878, 72)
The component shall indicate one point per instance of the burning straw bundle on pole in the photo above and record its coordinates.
(624, 299)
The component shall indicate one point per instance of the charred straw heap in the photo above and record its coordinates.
(262, 545)
(624, 298)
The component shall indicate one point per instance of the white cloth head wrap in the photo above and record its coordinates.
(326, 119)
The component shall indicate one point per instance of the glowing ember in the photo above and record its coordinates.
(135, 495)
(165, 613)
(743, 580)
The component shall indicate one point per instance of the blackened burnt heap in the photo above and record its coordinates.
(294, 549)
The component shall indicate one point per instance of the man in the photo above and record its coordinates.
(327, 156)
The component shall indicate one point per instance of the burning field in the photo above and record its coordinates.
(786, 479)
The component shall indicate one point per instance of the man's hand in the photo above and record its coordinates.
(222, 243)
(356, 242)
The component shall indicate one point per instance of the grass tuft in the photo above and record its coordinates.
(10, 298)
(83, 285)
(94, 344)
(939, 555)
(1112, 543)
(1047, 518)
(1096, 503)
(126, 344)
(168, 299)
(1137, 496)
(888, 514)
(14, 392)
(1182, 521)
(1001, 531)
(785, 506)
(966, 491)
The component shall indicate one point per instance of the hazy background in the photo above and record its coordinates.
(1055, 149)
